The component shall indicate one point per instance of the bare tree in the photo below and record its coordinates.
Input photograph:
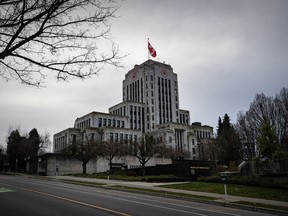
(281, 103)
(177, 153)
(264, 111)
(38, 37)
(248, 133)
(112, 149)
(147, 148)
(84, 149)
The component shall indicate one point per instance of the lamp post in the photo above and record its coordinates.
(224, 179)
(16, 163)
(38, 162)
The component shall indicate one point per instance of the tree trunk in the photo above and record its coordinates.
(84, 167)
(110, 165)
(143, 170)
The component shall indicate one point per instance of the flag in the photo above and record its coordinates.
(152, 51)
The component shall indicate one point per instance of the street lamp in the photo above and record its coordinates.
(38, 162)
(16, 164)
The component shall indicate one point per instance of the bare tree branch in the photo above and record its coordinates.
(38, 37)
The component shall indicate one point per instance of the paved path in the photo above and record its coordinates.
(155, 186)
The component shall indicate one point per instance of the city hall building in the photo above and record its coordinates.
(150, 105)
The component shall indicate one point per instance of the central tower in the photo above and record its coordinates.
(155, 85)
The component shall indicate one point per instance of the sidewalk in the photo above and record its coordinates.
(220, 198)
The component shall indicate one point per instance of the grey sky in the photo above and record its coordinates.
(224, 53)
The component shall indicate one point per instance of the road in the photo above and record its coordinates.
(23, 195)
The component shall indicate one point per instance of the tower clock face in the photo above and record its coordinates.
(164, 72)
(134, 75)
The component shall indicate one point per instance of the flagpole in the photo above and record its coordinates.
(148, 49)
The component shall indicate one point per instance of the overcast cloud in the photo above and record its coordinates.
(223, 51)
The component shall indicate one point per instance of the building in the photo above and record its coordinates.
(150, 105)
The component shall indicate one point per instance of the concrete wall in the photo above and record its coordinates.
(56, 164)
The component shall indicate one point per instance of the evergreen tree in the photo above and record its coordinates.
(32, 148)
(16, 150)
(229, 145)
(23, 148)
(219, 126)
(268, 142)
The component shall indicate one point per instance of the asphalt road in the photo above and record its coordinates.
(22, 195)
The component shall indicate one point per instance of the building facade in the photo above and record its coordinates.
(150, 105)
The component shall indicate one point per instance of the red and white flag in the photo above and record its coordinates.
(152, 51)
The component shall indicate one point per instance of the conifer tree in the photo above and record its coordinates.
(229, 145)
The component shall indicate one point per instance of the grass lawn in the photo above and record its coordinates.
(232, 189)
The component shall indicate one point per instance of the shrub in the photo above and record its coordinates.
(249, 181)
(163, 178)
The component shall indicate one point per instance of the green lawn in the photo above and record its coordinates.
(232, 189)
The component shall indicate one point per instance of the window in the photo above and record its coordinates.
(73, 138)
(92, 136)
(109, 122)
(131, 109)
(100, 122)
(111, 136)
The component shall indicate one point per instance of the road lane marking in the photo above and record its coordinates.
(5, 190)
(74, 201)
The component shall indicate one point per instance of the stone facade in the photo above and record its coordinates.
(150, 106)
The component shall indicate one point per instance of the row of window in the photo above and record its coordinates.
(123, 137)
(132, 91)
(184, 119)
(165, 104)
(102, 122)
(136, 117)
(84, 124)
(120, 111)
(203, 134)
(60, 143)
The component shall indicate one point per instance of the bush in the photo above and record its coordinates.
(163, 178)
(249, 181)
